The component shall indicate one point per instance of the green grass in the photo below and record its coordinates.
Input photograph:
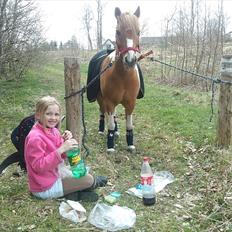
(171, 126)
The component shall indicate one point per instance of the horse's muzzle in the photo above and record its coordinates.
(130, 62)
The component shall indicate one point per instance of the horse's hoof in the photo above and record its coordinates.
(100, 132)
(110, 150)
(131, 148)
(116, 134)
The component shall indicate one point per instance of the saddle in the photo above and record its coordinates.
(18, 137)
(94, 70)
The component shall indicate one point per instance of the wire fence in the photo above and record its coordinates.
(214, 80)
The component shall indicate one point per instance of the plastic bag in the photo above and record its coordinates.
(64, 170)
(161, 179)
(72, 211)
(112, 218)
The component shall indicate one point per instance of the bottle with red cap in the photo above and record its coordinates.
(147, 183)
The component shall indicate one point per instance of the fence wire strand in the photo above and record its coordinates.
(215, 80)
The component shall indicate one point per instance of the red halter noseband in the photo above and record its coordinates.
(122, 51)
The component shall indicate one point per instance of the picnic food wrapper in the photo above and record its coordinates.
(73, 211)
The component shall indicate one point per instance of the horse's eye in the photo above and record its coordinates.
(118, 33)
(138, 34)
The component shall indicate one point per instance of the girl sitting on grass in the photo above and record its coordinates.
(45, 149)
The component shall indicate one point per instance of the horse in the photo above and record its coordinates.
(120, 83)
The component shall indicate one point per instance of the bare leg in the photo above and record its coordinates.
(72, 184)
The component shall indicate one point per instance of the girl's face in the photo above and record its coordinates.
(51, 116)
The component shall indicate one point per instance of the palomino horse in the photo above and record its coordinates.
(120, 83)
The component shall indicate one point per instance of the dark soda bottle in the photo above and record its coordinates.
(76, 162)
(147, 183)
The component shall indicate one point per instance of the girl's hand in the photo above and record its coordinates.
(67, 145)
(67, 135)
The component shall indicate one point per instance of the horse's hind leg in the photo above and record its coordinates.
(101, 127)
(129, 133)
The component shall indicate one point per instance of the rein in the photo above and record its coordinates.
(83, 89)
(145, 55)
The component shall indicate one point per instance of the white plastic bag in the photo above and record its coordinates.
(72, 211)
(64, 170)
(161, 179)
(112, 218)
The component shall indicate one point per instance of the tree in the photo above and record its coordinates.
(74, 44)
(99, 23)
(87, 19)
(20, 37)
(196, 34)
(53, 45)
(144, 28)
(61, 46)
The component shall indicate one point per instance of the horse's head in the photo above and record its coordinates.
(127, 36)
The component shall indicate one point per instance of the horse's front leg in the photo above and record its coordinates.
(101, 127)
(129, 132)
(116, 132)
(111, 133)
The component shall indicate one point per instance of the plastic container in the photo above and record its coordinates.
(76, 162)
(149, 197)
(147, 183)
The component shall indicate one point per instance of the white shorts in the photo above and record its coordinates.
(54, 192)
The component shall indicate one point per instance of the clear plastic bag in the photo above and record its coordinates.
(161, 179)
(112, 218)
(64, 170)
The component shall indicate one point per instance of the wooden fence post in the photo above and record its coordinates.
(72, 79)
(224, 130)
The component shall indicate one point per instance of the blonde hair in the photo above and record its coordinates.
(43, 103)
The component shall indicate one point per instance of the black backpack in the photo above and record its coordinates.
(18, 137)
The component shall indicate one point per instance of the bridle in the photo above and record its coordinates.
(122, 51)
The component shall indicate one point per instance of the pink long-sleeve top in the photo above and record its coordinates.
(41, 157)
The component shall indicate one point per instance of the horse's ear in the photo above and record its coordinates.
(137, 12)
(117, 12)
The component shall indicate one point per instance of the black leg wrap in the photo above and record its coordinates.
(129, 137)
(101, 123)
(110, 139)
